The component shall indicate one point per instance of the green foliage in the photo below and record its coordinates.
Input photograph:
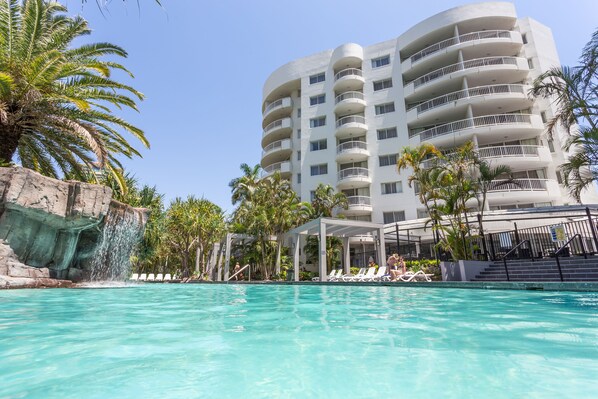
(428, 266)
(307, 276)
(56, 98)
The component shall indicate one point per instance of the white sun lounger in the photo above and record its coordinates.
(134, 277)
(159, 277)
(331, 275)
(151, 277)
(167, 277)
(350, 277)
(368, 275)
(418, 275)
(337, 276)
(379, 274)
(142, 277)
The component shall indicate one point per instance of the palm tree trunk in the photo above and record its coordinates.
(9, 141)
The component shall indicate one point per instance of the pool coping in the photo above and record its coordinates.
(578, 286)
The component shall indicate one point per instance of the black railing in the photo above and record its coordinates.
(566, 245)
(515, 248)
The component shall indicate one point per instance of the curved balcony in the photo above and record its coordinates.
(276, 152)
(277, 109)
(523, 190)
(507, 126)
(349, 79)
(505, 95)
(349, 102)
(358, 204)
(474, 44)
(352, 151)
(515, 68)
(349, 126)
(353, 177)
(283, 167)
(517, 156)
(277, 130)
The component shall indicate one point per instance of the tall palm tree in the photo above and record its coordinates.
(574, 91)
(243, 187)
(56, 99)
(326, 201)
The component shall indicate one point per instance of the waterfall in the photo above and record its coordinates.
(122, 230)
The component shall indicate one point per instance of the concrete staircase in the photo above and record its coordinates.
(574, 268)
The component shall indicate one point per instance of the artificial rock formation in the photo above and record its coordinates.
(58, 225)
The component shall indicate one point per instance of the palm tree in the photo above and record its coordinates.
(243, 187)
(326, 201)
(56, 99)
(574, 91)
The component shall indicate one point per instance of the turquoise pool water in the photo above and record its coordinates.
(242, 341)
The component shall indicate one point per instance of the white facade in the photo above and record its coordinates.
(341, 117)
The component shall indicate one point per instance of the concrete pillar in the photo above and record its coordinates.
(219, 261)
(346, 255)
(297, 245)
(229, 242)
(322, 253)
(381, 247)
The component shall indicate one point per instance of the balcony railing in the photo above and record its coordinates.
(351, 145)
(359, 200)
(353, 172)
(277, 145)
(276, 104)
(468, 93)
(276, 124)
(490, 34)
(350, 119)
(518, 185)
(479, 62)
(348, 95)
(480, 121)
(509, 151)
(347, 72)
(278, 166)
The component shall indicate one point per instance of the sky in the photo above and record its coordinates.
(202, 65)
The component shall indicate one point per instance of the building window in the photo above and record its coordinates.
(385, 108)
(394, 187)
(422, 213)
(392, 217)
(559, 177)
(387, 160)
(298, 178)
(320, 77)
(387, 133)
(318, 145)
(383, 84)
(551, 145)
(298, 112)
(530, 63)
(321, 169)
(317, 122)
(543, 116)
(298, 133)
(298, 155)
(312, 195)
(299, 93)
(380, 61)
(315, 100)
(524, 38)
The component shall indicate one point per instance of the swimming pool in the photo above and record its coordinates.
(257, 341)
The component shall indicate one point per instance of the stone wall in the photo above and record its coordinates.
(54, 224)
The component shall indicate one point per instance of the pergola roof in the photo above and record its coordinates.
(336, 227)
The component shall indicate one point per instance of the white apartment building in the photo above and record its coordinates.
(342, 116)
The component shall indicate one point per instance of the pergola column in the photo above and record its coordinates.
(322, 252)
(229, 242)
(381, 247)
(346, 255)
(296, 246)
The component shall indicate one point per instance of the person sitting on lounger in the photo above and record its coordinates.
(398, 268)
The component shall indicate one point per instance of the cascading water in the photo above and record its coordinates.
(123, 228)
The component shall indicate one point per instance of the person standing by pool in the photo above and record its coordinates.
(398, 267)
(236, 270)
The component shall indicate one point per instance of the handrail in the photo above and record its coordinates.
(275, 124)
(467, 37)
(274, 167)
(558, 251)
(350, 145)
(468, 93)
(349, 94)
(516, 247)
(348, 71)
(276, 144)
(459, 66)
(518, 185)
(471, 123)
(276, 103)
(240, 271)
(350, 119)
(353, 172)
(356, 200)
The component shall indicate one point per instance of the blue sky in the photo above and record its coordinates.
(202, 64)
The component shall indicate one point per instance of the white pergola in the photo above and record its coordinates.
(342, 228)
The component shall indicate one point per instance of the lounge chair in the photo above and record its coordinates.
(151, 277)
(379, 274)
(167, 277)
(331, 275)
(350, 277)
(142, 277)
(418, 275)
(368, 275)
(159, 277)
(337, 276)
(134, 277)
